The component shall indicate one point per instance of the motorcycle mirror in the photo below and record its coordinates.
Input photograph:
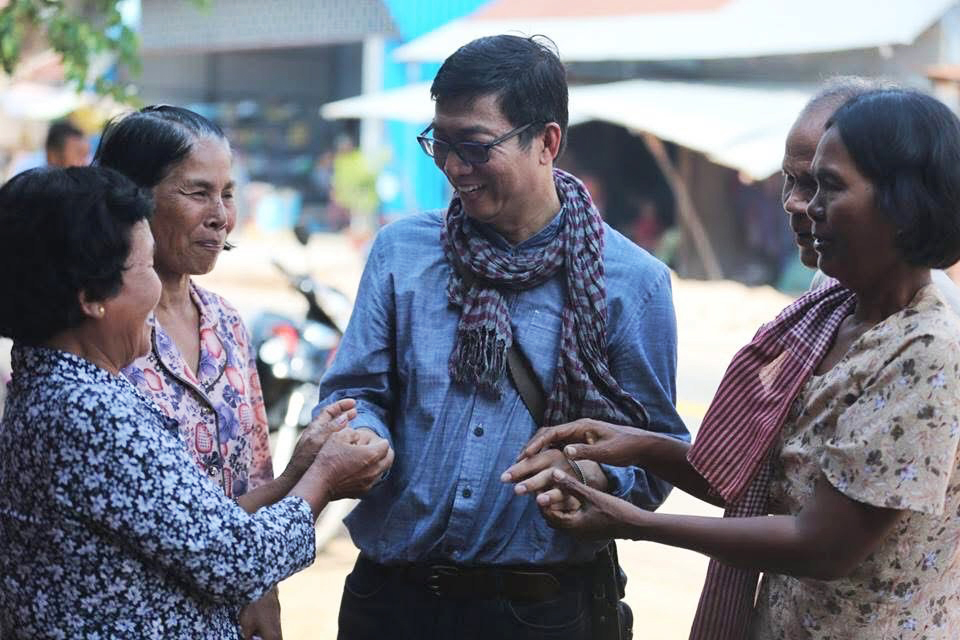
(301, 234)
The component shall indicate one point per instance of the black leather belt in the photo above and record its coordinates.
(532, 583)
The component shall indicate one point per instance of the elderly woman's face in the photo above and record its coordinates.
(854, 240)
(194, 210)
(125, 314)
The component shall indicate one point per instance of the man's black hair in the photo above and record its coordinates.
(58, 133)
(525, 74)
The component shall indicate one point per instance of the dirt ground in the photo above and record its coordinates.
(714, 319)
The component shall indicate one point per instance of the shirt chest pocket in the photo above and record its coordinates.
(539, 339)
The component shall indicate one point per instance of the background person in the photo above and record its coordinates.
(66, 145)
(521, 256)
(863, 476)
(107, 527)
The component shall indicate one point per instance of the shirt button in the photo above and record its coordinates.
(478, 431)
(467, 493)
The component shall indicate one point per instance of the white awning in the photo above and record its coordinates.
(31, 100)
(411, 103)
(737, 29)
(739, 127)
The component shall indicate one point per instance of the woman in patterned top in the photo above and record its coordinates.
(862, 472)
(200, 369)
(107, 527)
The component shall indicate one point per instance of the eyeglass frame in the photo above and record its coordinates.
(486, 146)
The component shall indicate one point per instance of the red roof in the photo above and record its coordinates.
(506, 9)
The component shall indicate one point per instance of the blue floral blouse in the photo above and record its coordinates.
(107, 527)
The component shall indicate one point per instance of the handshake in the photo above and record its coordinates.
(333, 461)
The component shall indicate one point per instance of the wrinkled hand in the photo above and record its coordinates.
(332, 418)
(588, 439)
(353, 461)
(261, 617)
(599, 514)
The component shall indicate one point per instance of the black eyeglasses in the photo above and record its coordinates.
(470, 152)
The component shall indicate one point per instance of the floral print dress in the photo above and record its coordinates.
(219, 407)
(107, 528)
(882, 426)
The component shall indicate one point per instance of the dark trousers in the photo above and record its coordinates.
(379, 604)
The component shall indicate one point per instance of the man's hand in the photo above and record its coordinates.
(332, 418)
(598, 515)
(535, 474)
(588, 439)
(261, 618)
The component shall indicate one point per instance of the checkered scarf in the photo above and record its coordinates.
(584, 386)
(735, 442)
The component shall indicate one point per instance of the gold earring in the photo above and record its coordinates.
(101, 310)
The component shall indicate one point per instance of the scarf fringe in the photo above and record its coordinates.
(584, 386)
(479, 357)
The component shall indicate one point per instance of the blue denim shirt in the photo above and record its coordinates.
(443, 498)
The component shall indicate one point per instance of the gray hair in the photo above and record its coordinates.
(838, 90)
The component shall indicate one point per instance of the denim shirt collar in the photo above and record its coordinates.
(536, 241)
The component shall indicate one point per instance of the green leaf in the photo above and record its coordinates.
(75, 31)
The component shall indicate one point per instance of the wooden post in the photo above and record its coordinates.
(685, 207)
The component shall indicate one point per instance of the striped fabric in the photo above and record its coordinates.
(734, 443)
(583, 385)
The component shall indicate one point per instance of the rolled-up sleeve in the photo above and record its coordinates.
(643, 359)
(364, 366)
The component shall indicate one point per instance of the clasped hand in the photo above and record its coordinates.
(565, 502)
(355, 459)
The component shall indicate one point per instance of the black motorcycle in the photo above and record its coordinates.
(292, 356)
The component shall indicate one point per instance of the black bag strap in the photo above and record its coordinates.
(528, 385)
(609, 580)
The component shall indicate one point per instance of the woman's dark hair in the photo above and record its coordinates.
(908, 145)
(63, 231)
(524, 73)
(146, 144)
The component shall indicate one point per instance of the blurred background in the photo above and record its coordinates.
(678, 107)
(679, 110)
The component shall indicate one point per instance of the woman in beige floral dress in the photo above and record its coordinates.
(862, 474)
(881, 426)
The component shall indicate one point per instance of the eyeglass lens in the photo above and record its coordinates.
(469, 152)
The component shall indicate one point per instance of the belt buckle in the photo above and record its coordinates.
(438, 573)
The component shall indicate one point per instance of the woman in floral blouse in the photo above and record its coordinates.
(861, 470)
(200, 369)
(107, 528)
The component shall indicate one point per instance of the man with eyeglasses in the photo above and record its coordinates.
(520, 263)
